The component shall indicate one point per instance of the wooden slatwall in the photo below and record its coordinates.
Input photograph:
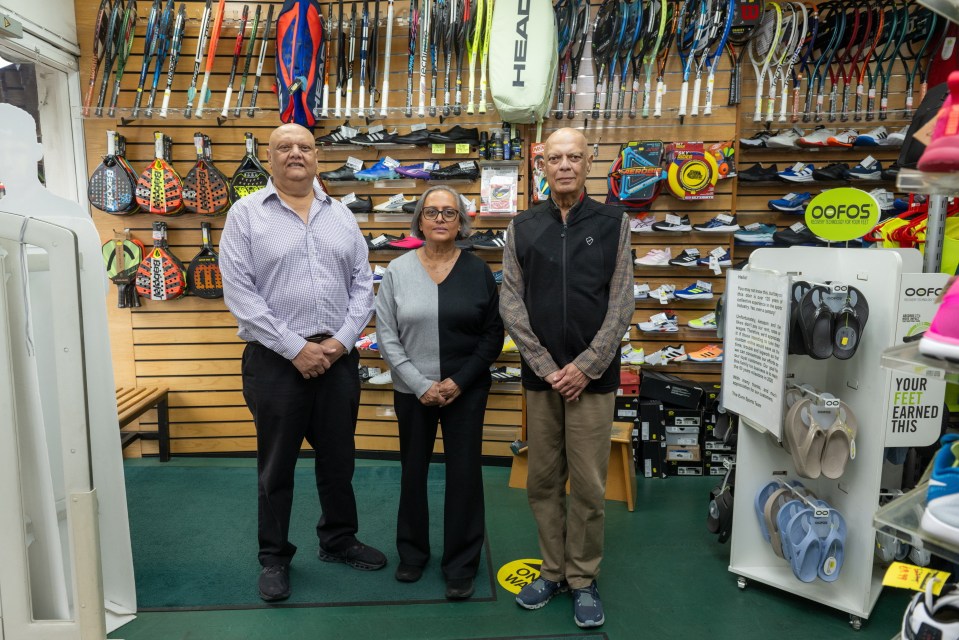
(190, 344)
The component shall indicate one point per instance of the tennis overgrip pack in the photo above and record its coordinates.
(299, 42)
(521, 80)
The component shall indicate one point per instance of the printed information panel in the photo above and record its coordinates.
(756, 336)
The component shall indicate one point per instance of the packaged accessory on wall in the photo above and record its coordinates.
(635, 177)
(691, 172)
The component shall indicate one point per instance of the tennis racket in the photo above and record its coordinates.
(237, 52)
(926, 61)
(160, 275)
(425, 34)
(437, 13)
(856, 37)
(350, 60)
(798, 38)
(449, 44)
(248, 61)
(463, 26)
(662, 9)
(204, 189)
(414, 27)
(878, 30)
(250, 176)
(473, 44)
(749, 14)
(164, 39)
(327, 61)
(579, 36)
(150, 41)
(484, 52)
(198, 58)
(203, 278)
(373, 59)
(565, 17)
(111, 189)
(364, 56)
(761, 50)
(100, 30)
(259, 64)
(783, 48)
(713, 61)
(704, 29)
(633, 35)
(894, 52)
(124, 43)
(205, 94)
(830, 27)
(800, 68)
(921, 35)
(385, 91)
(662, 60)
(159, 188)
(604, 33)
(110, 49)
(176, 43)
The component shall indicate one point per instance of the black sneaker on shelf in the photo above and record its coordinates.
(758, 173)
(466, 170)
(337, 136)
(496, 241)
(421, 137)
(456, 135)
(343, 173)
(381, 241)
(891, 172)
(757, 140)
(800, 235)
(688, 258)
(674, 227)
(466, 244)
(361, 205)
(370, 139)
(835, 171)
(410, 207)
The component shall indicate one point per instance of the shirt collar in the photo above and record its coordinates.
(554, 209)
(318, 193)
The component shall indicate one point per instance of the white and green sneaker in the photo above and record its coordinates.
(705, 323)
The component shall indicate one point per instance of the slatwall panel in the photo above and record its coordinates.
(190, 345)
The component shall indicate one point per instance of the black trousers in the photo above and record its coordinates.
(287, 408)
(464, 514)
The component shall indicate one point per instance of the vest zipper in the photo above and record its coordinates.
(564, 282)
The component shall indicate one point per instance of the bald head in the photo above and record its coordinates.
(289, 130)
(292, 156)
(567, 165)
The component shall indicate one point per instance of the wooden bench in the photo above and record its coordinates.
(133, 402)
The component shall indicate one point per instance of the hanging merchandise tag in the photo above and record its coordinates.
(692, 251)
(868, 162)
(390, 162)
(714, 265)
(752, 227)
(349, 132)
(348, 198)
(354, 163)
(672, 218)
(439, 148)
(718, 252)
(420, 126)
(838, 287)
(378, 240)
(798, 227)
(706, 286)
(659, 318)
(462, 147)
(375, 129)
(397, 199)
(907, 576)
(662, 295)
(724, 217)
(799, 166)
(468, 164)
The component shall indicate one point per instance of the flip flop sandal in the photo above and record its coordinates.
(797, 344)
(832, 550)
(839, 447)
(760, 503)
(805, 442)
(793, 396)
(817, 322)
(786, 514)
(807, 546)
(848, 332)
(770, 510)
(860, 305)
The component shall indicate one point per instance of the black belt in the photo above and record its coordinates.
(320, 337)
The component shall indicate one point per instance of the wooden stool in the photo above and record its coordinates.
(133, 402)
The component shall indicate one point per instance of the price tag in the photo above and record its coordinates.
(468, 164)
(375, 129)
(907, 576)
(348, 198)
(420, 126)
(830, 403)
(390, 162)
(752, 227)
(397, 199)
(462, 147)
(659, 318)
(378, 240)
(354, 163)
(868, 162)
(157, 234)
(672, 218)
(725, 217)
(718, 252)
(693, 251)
(642, 288)
(439, 148)
(707, 286)
(349, 132)
(789, 196)
(799, 166)
(798, 227)
(714, 265)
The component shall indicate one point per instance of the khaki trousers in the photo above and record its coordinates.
(569, 440)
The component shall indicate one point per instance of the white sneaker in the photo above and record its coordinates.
(784, 139)
(393, 206)
(895, 139)
(655, 258)
(674, 354)
(885, 199)
(642, 225)
(705, 323)
(844, 138)
(660, 323)
(818, 138)
(799, 172)
(384, 378)
(663, 292)
(872, 138)
(640, 291)
(629, 355)
(378, 273)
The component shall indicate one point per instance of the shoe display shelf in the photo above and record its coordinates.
(858, 382)
(938, 184)
(900, 518)
(906, 357)
(400, 183)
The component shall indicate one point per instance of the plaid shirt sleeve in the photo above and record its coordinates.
(597, 357)
(512, 309)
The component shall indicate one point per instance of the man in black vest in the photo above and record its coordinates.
(566, 300)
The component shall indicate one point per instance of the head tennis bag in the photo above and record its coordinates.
(299, 41)
(521, 81)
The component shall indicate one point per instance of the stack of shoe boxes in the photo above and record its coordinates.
(650, 446)
(718, 448)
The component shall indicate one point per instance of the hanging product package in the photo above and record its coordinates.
(635, 176)
(299, 41)
(522, 59)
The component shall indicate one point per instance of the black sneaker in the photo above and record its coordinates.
(495, 241)
(410, 207)
(757, 173)
(791, 236)
(466, 244)
(688, 258)
(466, 170)
(358, 555)
(343, 173)
(369, 139)
(757, 140)
(337, 136)
(361, 205)
(382, 241)
(834, 171)
(421, 137)
(891, 172)
(459, 588)
(456, 135)
(673, 227)
(274, 582)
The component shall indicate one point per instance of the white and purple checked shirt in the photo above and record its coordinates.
(285, 280)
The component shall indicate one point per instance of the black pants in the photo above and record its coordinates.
(464, 515)
(287, 408)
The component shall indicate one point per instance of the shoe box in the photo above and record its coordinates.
(670, 389)
(627, 409)
(652, 420)
(628, 383)
(652, 461)
(684, 468)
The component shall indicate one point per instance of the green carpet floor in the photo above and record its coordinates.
(664, 575)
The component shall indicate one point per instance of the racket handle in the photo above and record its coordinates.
(796, 92)
(113, 99)
(482, 102)
(660, 92)
(93, 81)
(421, 111)
(784, 100)
(136, 103)
(386, 97)
(201, 99)
(597, 100)
(337, 110)
(710, 86)
(610, 92)
(558, 111)
(883, 105)
(844, 109)
(121, 296)
(349, 98)
(758, 111)
(646, 97)
(325, 101)
(771, 102)
(166, 102)
(458, 105)
(819, 106)
(571, 100)
(446, 102)
(833, 95)
(432, 109)
(923, 87)
(871, 103)
(697, 88)
(634, 99)
(907, 112)
(857, 111)
(362, 105)
(134, 300)
(733, 87)
(226, 102)
(469, 105)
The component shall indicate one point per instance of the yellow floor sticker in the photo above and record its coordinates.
(515, 575)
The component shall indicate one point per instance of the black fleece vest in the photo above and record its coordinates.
(567, 270)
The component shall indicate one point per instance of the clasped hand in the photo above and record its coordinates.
(316, 358)
(569, 382)
(441, 394)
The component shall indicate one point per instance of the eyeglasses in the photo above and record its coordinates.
(431, 213)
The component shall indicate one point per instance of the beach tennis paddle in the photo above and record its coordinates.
(122, 258)
(250, 176)
(111, 188)
(203, 277)
(160, 275)
(204, 189)
(159, 188)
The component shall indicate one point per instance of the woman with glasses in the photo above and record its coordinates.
(439, 330)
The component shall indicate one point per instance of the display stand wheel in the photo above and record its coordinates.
(741, 582)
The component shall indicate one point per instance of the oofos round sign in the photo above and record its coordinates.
(842, 214)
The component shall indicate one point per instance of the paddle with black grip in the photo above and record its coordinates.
(250, 176)
(203, 278)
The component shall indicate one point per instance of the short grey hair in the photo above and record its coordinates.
(465, 223)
